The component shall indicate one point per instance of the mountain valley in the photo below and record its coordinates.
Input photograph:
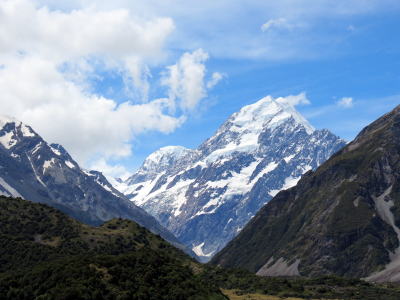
(207, 195)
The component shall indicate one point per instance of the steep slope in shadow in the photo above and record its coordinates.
(342, 219)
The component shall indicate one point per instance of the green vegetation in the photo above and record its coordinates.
(143, 274)
(242, 282)
(46, 255)
(237, 295)
(48, 234)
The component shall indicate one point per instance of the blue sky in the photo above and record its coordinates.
(100, 71)
(363, 63)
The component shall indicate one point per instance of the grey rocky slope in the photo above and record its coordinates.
(206, 196)
(342, 219)
(32, 169)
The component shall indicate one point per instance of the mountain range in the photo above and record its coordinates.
(342, 219)
(205, 196)
(30, 168)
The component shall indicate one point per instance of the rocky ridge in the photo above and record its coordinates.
(30, 168)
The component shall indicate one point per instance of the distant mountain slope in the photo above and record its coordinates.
(46, 255)
(32, 169)
(206, 196)
(342, 219)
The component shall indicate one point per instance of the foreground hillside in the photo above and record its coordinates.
(46, 255)
(342, 219)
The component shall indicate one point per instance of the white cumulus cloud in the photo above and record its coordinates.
(294, 100)
(345, 102)
(276, 23)
(215, 78)
(111, 171)
(34, 91)
(231, 29)
(47, 58)
(186, 79)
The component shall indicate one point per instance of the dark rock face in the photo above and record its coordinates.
(206, 196)
(341, 219)
(32, 169)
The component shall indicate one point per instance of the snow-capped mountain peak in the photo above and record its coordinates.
(13, 131)
(241, 132)
(5, 120)
(58, 149)
(267, 112)
(291, 110)
(32, 169)
(205, 196)
(163, 157)
(25, 129)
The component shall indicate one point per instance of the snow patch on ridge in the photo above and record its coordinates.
(238, 184)
(37, 148)
(269, 168)
(287, 159)
(34, 171)
(12, 192)
(55, 151)
(27, 131)
(142, 190)
(69, 164)
(180, 192)
(47, 164)
(289, 182)
(8, 140)
(248, 144)
(199, 251)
